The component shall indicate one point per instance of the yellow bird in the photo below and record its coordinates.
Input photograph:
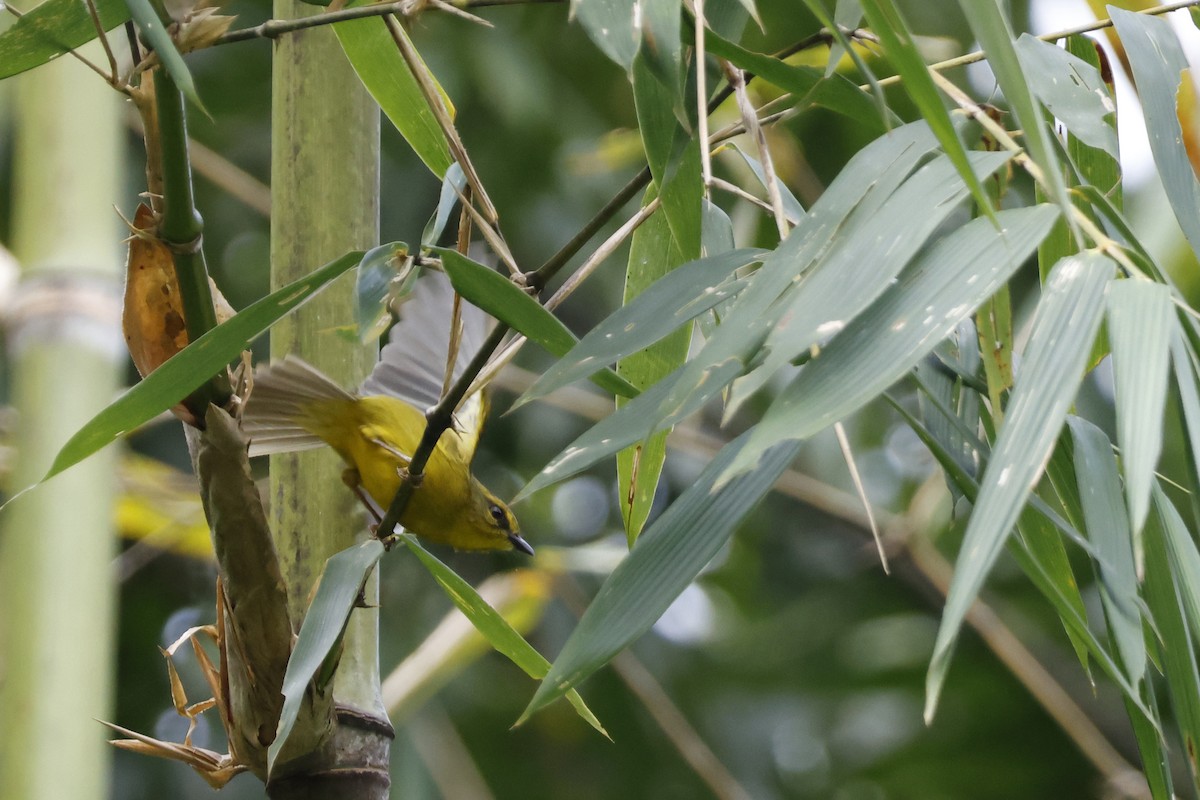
(293, 406)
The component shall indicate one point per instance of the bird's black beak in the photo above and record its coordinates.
(520, 544)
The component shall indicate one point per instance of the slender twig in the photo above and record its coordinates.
(433, 99)
(112, 60)
(274, 28)
(737, 82)
(702, 97)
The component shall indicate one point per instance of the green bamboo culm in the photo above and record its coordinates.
(57, 584)
(325, 202)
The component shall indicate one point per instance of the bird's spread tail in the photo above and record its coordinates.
(280, 403)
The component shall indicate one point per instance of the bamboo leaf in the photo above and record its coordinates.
(1157, 60)
(314, 657)
(499, 633)
(673, 300)
(152, 29)
(369, 46)
(194, 365)
(942, 287)
(887, 22)
(1072, 90)
(1141, 319)
(1108, 527)
(667, 558)
(51, 29)
(499, 297)
(1064, 329)
(613, 25)
(653, 254)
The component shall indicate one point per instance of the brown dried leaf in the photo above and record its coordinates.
(153, 316)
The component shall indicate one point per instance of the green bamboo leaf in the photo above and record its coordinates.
(51, 29)
(667, 558)
(716, 231)
(1174, 618)
(863, 185)
(152, 30)
(877, 245)
(1187, 383)
(1157, 60)
(501, 298)
(992, 30)
(887, 22)
(1141, 321)
(1070, 89)
(808, 84)
(662, 47)
(318, 646)
(1064, 329)
(1108, 527)
(369, 46)
(673, 300)
(847, 14)
(613, 25)
(653, 254)
(184, 372)
(499, 633)
(934, 294)
(1064, 605)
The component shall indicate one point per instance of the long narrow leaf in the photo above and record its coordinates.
(938, 290)
(369, 47)
(51, 29)
(1066, 324)
(667, 558)
(1108, 526)
(503, 300)
(315, 655)
(1141, 319)
(495, 628)
(1157, 59)
(184, 372)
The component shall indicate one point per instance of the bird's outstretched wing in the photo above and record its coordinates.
(283, 393)
(412, 365)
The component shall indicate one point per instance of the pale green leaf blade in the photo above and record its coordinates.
(934, 294)
(494, 627)
(1108, 527)
(1174, 618)
(184, 372)
(1141, 321)
(369, 46)
(667, 558)
(51, 29)
(1157, 59)
(1064, 328)
(314, 657)
(672, 301)
(1072, 90)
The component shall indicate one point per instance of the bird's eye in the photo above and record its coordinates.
(498, 514)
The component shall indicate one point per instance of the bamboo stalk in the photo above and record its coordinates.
(325, 201)
(56, 585)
